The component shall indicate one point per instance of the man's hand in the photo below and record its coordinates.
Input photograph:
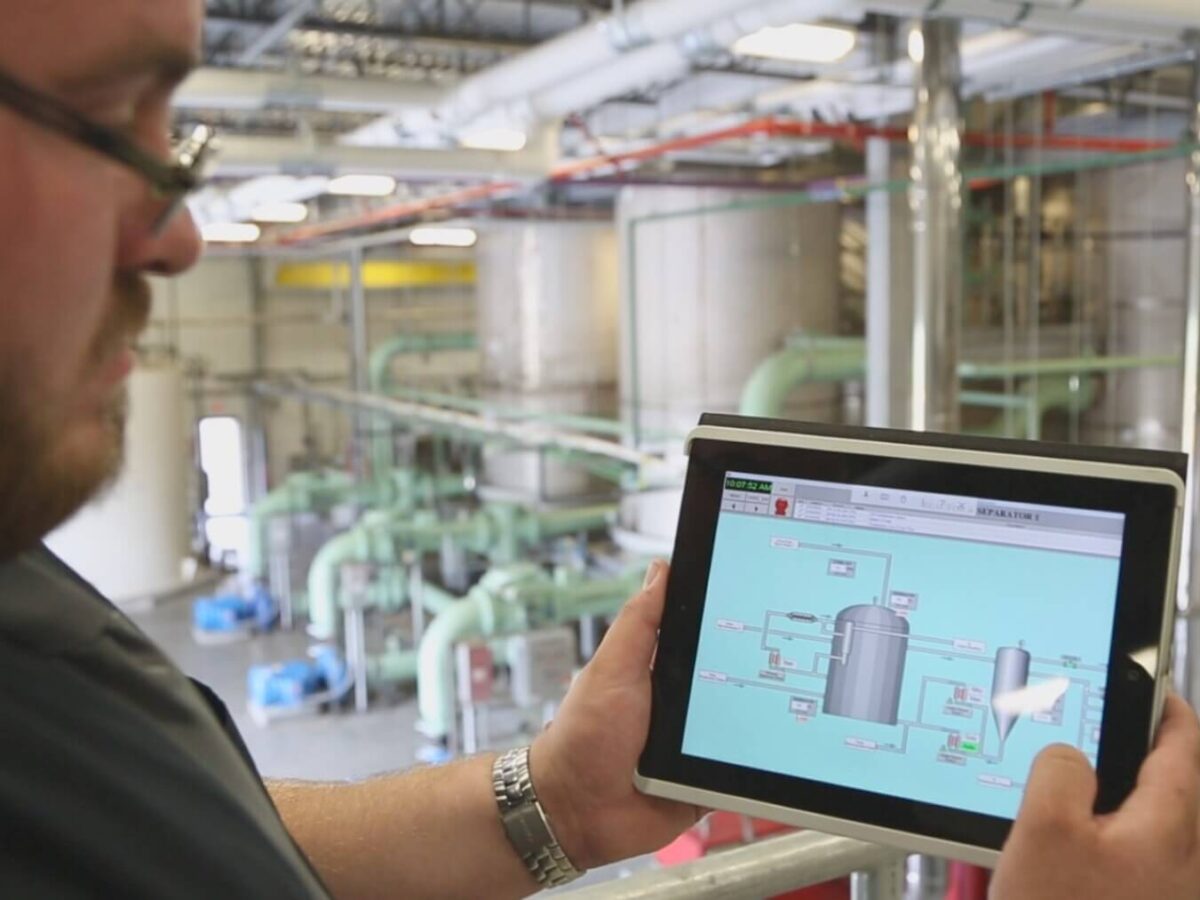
(1149, 848)
(583, 764)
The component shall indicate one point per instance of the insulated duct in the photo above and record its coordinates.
(655, 41)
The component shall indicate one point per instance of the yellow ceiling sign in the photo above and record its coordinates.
(378, 275)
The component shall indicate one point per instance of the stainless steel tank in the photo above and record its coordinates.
(705, 299)
(547, 323)
(708, 297)
(1134, 257)
(866, 671)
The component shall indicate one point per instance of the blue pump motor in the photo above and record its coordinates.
(233, 614)
(296, 683)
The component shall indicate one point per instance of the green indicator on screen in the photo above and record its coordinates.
(748, 484)
(970, 746)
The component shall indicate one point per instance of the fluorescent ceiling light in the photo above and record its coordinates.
(363, 186)
(282, 213)
(798, 43)
(509, 140)
(230, 232)
(443, 237)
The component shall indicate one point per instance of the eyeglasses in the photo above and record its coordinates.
(171, 181)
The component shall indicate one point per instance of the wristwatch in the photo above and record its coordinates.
(525, 821)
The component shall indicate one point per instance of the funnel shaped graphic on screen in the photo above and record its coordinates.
(1010, 679)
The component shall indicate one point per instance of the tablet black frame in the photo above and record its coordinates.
(1128, 720)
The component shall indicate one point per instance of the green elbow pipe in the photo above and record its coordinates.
(380, 362)
(773, 381)
(299, 492)
(323, 575)
(461, 621)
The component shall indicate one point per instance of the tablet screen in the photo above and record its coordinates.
(911, 644)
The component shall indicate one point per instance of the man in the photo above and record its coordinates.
(118, 776)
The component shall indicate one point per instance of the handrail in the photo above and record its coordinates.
(763, 869)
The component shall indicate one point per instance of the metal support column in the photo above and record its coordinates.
(879, 282)
(359, 361)
(1189, 584)
(936, 200)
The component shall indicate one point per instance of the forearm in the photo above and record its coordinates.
(432, 832)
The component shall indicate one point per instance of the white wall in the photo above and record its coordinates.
(207, 316)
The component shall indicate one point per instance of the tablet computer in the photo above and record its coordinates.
(873, 633)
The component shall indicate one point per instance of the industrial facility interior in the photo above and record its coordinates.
(406, 439)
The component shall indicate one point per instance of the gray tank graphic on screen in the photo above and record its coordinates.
(1012, 674)
(866, 668)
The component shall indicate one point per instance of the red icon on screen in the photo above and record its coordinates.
(781, 507)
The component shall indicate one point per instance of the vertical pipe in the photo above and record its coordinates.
(935, 199)
(359, 361)
(256, 440)
(879, 256)
(1188, 584)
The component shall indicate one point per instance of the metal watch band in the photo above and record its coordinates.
(525, 821)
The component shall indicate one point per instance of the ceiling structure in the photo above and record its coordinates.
(428, 91)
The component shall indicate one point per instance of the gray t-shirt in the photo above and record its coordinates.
(119, 776)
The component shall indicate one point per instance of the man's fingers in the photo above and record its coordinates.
(1167, 796)
(629, 645)
(1061, 790)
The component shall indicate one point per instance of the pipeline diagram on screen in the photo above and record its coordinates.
(852, 664)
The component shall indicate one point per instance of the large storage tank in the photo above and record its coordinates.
(547, 321)
(705, 299)
(1135, 252)
(866, 669)
(131, 542)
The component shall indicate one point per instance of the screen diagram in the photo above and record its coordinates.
(917, 654)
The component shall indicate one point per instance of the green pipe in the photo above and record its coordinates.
(380, 363)
(774, 380)
(586, 424)
(1051, 393)
(823, 359)
(507, 601)
(379, 368)
(395, 666)
(299, 492)
(502, 533)
(1071, 366)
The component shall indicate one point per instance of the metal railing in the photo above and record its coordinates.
(769, 867)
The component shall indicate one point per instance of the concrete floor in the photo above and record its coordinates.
(336, 746)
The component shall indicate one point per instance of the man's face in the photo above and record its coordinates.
(76, 240)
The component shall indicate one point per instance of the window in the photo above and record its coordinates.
(223, 460)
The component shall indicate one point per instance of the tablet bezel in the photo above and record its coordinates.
(1151, 497)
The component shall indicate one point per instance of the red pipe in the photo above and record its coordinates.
(767, 127)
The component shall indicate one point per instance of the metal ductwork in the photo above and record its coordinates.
(655, 41)
(251, 156)
(242, 89)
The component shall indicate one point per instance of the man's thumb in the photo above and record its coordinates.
(1061, 789)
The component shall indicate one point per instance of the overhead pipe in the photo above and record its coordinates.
(524, 434)
(823, 359)
(247, 90)
(764, 127)
(557, 61)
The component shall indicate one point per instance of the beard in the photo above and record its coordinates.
(54, 457)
